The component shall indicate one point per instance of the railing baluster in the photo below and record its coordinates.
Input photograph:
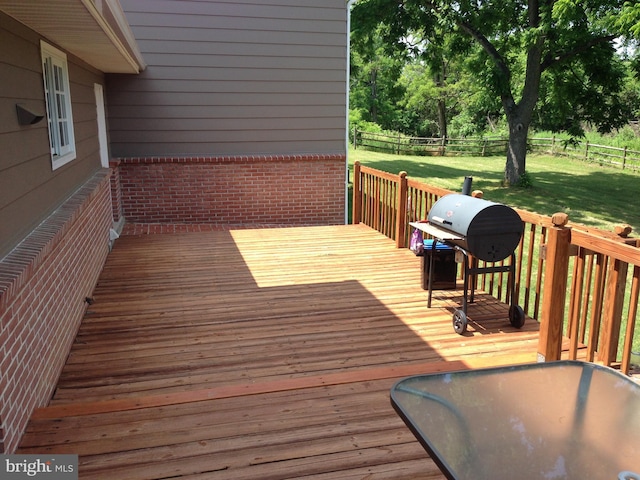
(631, 320)
(589, 259)
(575, 304)
(596, 306)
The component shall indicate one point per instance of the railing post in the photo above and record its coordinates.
(401, 218)
(357, 195)
(614, 301)
(555, 288)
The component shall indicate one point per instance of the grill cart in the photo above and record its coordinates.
(479, 230)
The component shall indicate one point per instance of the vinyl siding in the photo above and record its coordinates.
(236, 77)
(29, 189)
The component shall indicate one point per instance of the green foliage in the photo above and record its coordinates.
(629, 18)
(552, 65)
(586, 92)
(357, 121)
(525, 181)
(374, 82)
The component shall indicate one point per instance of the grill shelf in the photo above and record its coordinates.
(479, 230)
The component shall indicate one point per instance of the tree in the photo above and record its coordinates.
(374, 89)
(523, 44)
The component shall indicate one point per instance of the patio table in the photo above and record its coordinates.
(544, 421)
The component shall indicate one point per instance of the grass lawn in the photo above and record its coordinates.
(600, 197)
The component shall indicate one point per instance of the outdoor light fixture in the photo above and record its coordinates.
(26, 116)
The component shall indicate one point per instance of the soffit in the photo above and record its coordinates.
(95, 31)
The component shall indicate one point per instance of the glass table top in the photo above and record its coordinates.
(547, 421)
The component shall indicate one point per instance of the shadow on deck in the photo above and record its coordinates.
(260, 354)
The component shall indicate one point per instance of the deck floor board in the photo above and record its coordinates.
(260, 353)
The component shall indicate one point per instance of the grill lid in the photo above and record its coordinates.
(490, 231)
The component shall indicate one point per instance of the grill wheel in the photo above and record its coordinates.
(460, 322)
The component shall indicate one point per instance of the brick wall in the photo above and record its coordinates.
(276, 190)
(43, 285)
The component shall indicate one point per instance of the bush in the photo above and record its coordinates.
(356, 121)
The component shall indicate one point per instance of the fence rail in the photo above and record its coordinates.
(616, 157)
(581, 284)
(400, 144)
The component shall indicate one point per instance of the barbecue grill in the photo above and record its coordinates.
(480, 230)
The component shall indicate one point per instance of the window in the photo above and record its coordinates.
(58, 100)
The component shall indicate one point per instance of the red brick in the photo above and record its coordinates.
(69, 247)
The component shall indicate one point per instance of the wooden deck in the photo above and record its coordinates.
(259, 354)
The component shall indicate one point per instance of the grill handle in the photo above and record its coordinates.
(466, 186)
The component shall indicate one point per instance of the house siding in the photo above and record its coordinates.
(30, 189)
(226, 81)
(54, 230)
(233, 78)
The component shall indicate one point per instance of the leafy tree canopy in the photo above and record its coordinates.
(551, 63)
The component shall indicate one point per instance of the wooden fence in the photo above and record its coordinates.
(604, 155)
(581, 284)
(400, 144)
(623, 158)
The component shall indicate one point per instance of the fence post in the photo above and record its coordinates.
(357, 195)
(624, 158)
(586, 151)
(555, 288)
(401, 217)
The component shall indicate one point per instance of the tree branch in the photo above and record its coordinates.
(487, 46)
(507, 96)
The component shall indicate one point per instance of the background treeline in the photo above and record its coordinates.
(404, 94)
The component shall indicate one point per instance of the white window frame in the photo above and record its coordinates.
(55, 75)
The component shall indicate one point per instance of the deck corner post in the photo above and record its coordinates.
(357, 195)
(555, 288)
(401, 218)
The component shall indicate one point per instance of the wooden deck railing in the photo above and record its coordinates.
(581, 284)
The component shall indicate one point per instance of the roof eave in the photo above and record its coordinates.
(97, 32)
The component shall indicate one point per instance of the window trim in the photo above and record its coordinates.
(58, 103)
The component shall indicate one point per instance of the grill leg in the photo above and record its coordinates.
(473, 277)
(466, 284)
(430, 280)
(512, 280)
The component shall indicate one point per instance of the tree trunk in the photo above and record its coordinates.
(442, 118)
(516, 150)
(440, 81)
(373, 84)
